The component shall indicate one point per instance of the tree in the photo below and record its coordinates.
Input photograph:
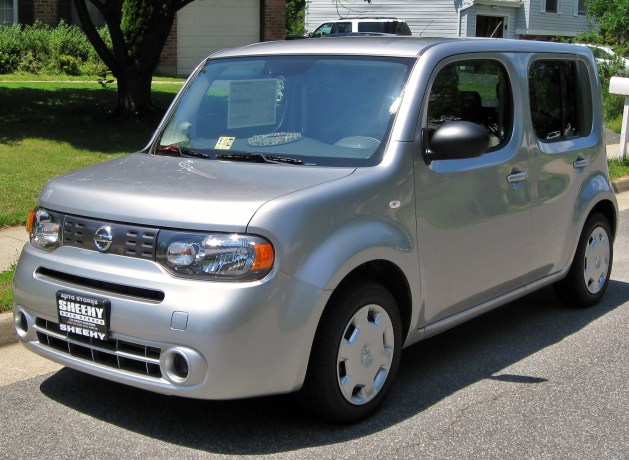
(295, 17)
(612, 18)
(138, 30)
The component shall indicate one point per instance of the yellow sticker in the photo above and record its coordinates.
(224, 143)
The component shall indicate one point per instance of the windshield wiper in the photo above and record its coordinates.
(258, 158)
(176, 149)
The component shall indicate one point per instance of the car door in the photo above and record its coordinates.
(564, 143)
(473, 215)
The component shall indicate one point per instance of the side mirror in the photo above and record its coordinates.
(455, 140)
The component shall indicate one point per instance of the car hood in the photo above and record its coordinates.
(178, 192)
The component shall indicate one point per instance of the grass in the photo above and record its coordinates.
(20, 77)
(615, 124)
(617, 168)
(50, 128)
(6, 293)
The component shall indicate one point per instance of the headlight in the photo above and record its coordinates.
(230, 257)
(45, 227)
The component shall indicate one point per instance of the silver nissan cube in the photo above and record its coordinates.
(308, 208)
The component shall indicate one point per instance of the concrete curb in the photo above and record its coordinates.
(7, 332)
(621, 185)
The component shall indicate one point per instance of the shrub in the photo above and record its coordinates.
(612, 103)
(55, 50)
(10, 48)
(69, 64)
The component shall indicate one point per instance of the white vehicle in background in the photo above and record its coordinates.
(605, 54)
(362, 25)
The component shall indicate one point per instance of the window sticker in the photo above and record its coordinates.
(224, 143)
(251, 103)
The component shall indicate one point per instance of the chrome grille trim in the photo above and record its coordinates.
(126, 356)
(127, 240)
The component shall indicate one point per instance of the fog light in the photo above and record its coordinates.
(177, 366)
(21, 324)
(183, 366)
(180, 366)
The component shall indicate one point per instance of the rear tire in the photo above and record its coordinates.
(355, 355)
(591, 268)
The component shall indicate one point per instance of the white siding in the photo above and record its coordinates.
(429, 18)
(204, 27)
(564, 23)
(440, 18)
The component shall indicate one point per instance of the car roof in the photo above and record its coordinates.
(367, 18)
(395, 46)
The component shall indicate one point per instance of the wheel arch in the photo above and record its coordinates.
(608, 210)
(391, 277)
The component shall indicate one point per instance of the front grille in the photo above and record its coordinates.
(127, 240)
(117, 354)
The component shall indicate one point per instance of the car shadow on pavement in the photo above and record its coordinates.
(430, 372)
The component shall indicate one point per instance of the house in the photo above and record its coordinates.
(524, 19)
(200, 28)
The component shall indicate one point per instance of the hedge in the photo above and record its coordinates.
(39, 48)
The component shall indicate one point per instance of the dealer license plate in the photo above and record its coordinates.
(83, 315)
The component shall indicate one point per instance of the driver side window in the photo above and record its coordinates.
(477, 91)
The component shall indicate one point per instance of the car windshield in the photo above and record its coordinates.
(308, 110)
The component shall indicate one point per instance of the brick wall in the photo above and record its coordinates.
(46, 12)
(168, 59)
(274, 20)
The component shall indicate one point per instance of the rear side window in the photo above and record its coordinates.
(323, 29)
(341, 28)
(390, 27)
(477, 91)
(560, 97)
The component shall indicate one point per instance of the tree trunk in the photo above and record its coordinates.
(132, 68)
(134, 91)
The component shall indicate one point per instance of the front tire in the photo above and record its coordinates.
(589, 274)
(355, 355)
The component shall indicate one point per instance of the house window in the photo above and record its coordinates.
(551, 6)
(581, 8)
(6, 12)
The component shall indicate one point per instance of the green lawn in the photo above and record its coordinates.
(50, 128)
(6, 293)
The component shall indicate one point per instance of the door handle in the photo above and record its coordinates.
(580, 163)
(517, 176)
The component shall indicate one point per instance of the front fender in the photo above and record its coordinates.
(359, 241)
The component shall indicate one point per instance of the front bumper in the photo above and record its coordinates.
(203, 339)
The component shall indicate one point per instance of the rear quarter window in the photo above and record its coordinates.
(560, 98)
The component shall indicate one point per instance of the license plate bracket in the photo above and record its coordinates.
(83, 315)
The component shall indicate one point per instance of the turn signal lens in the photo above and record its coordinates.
(29, 221)
(264, 257)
